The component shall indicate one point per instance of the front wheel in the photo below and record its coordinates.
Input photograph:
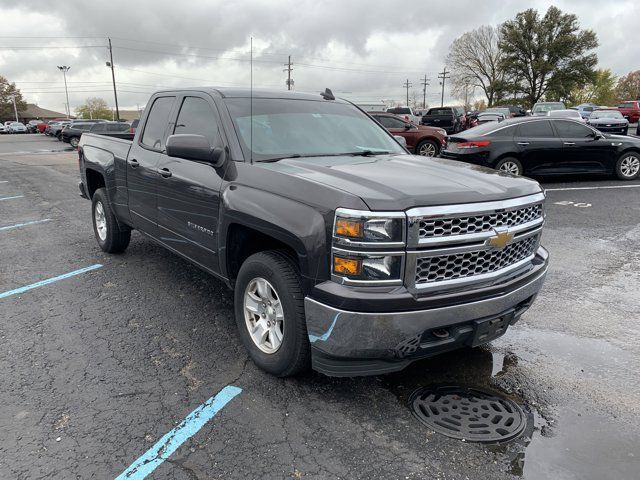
(628, 166)
(110, 236)
(269, 308)
(510, 165)
(74, 141)
(427, 148)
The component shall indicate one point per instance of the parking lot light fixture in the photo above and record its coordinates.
(64, 69)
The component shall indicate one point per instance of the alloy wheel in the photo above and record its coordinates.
(427, 149)
(510, 167)
(630, 166)
(101, 221)
(264, 315)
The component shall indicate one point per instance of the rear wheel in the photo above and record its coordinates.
(628, 166)
(510, 165)
(427, 148)
(110, 236)
(74, 141)
(269, 307)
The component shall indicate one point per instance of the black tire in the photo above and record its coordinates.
(426, 144)
(628, 166)
(278, 268)
(116, 238)
(505, 163)
(73, 141)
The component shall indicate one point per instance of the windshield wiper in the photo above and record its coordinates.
(297, 155)
(367, 153)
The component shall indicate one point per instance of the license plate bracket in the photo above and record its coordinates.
(489, 329)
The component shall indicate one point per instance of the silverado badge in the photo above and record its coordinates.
(500, 240)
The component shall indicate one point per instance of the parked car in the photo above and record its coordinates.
(72, 133)
(505, 111)
(630, 110)
(7, 125)
(17, 127)
(541, 109)
(585, 109)
(55, 128)
(337, 242)
(568, 113)
(406, 113)
(442, 117)
(2, 128)
(134, 126)
(610, 121)
(32, 126)
(486, 117)
(41, 127)
(514, 110)
(421, 140)
(545, 146)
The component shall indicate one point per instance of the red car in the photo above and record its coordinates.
(630, 109)
(421, 140)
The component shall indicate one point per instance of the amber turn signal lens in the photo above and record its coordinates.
(346, 266)
(349, 228)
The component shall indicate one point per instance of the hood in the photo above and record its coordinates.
(399, 182)
(608, 121)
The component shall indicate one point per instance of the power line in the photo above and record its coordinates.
(443, 76)
(407, 85)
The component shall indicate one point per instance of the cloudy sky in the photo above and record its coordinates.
(362, 49)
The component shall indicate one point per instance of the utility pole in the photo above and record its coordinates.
(425, 84)
(443, 76)
(64, 69)
(113, 77)
(15, 108)
(407, 85)
(289, 69)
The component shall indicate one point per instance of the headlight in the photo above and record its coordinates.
(367, 267)
(375, 229)
(368, 247)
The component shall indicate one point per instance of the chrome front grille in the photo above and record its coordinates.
(471, 244)
(463, 225)
(471, 263)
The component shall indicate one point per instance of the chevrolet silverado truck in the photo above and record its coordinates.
(345, 252)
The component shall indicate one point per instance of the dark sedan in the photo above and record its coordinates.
(546, 146)
(609, 121)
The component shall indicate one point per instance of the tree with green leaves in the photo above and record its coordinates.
(601, 91)
(550, 54)
(7, 92)
(475, 62)
(94, 107)
(628, 87)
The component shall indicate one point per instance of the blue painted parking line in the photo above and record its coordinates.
(18, 225)
(11, 198)
(325, 336)
(49, 280)
(156, 455)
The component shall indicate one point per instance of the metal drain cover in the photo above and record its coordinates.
(468, 414)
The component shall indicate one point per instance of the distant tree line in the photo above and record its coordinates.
(536, 57)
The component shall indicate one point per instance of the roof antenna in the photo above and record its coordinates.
(327, 94)
(251, 102)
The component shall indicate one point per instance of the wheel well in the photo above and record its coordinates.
(431, 139)
(505, 155)
(95, 180)
(242, 242)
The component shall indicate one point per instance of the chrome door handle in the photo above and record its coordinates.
(165, 172)
(134, 163)
(569, 143)
(523, 143)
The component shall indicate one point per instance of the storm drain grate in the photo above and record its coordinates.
(468, 414)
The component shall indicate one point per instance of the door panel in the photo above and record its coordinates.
(540, 149)
(582, 151)
(189, 191)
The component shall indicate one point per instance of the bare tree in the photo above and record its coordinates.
(475, 61)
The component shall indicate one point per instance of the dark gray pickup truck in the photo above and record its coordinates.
(345, 252)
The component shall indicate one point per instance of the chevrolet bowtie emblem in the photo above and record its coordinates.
(500, 240)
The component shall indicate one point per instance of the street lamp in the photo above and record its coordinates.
(64, 69)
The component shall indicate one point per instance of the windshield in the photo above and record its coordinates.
(285, 128)
(547, 107)
(399, 111)
(17, 124)
(606, 114)
(564, 113)
(504, 111)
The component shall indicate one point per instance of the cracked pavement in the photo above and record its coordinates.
(96, 368)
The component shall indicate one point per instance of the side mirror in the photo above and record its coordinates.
(401, 140)
(528, 112)
(407, 126)
(194, 147)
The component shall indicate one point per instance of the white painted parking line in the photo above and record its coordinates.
(24, 224)
(589, 188)
(4, 181)
(11, 198)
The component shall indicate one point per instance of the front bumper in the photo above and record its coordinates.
(349, 343)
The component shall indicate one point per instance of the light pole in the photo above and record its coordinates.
(64, 69)
(113, 77)
(15, 108)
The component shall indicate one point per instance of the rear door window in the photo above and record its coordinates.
(99, 127)
(156, 125)
(537, 129)
(198, 118)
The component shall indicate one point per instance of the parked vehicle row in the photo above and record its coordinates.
(73, 132)
(546, 146)
(420, 139)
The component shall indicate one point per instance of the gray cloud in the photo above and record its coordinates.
(363, 48)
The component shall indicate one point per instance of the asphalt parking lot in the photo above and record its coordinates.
(98, 365)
